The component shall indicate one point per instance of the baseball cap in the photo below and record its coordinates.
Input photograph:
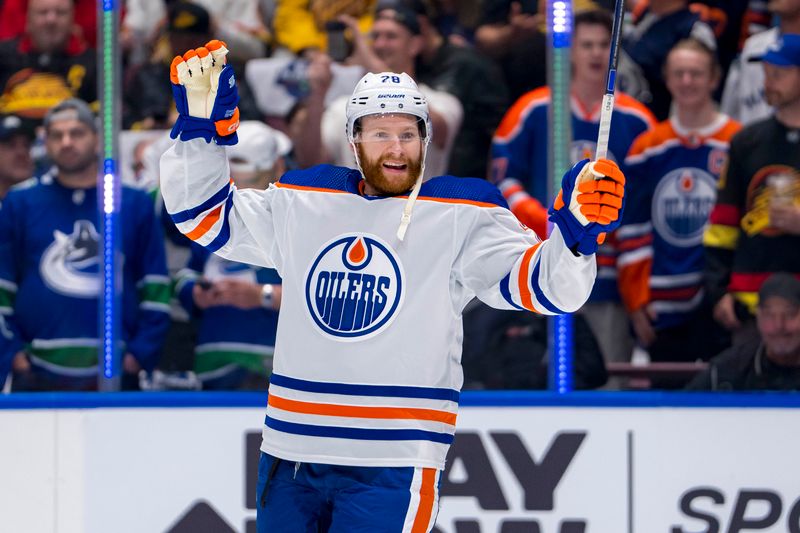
(783, 285)
(188, 17)
(71, 108)
(400, 14)
(11, 125)
(258, 148)
(785, 52)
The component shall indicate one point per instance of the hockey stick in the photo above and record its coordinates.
(607, 107)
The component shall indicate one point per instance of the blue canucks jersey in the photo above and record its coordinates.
(228, 337)
(50, 277)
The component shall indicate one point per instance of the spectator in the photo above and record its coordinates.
(50, 271)
(395, 45)
(472, 78)
(15, 153)
(455, 20)
(47, 64)
(140, 27)
(673, 172)
(300, 24)
(512, 33)
(771, 362)
(512, 37)
(148, 101)
(644, 48)
(743, 97)
(755, 224)
(520, 154)
(508, 350)
(237, 22)
(731, 21)
(237, 304)
(14, 14)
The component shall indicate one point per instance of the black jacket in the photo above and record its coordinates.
(746, 368)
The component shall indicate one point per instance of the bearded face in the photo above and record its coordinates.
(390, 152)
(389, 174)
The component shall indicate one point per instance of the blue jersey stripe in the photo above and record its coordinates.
(504, 290)
(357, 433)
(540, 295)
(225, 231)
(396, 391)
(194, 212)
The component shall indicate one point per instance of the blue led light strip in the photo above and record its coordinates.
(108, 198)
(559, 27)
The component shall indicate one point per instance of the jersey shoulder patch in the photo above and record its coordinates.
(322, 178)
(462, 190)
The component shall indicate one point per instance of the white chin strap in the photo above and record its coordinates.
(405, 219)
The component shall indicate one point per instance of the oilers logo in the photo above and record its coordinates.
(70, 265)
(682, 203)
(355, 287)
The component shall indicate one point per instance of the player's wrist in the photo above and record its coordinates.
(267, 296)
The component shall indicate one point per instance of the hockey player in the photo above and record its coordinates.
(50, 267)
(366, 378)
(673, 173)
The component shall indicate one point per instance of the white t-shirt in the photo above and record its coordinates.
(743, 96)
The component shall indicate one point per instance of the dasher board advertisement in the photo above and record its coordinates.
(541, 468)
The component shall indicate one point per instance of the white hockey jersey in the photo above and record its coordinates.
(367, 365)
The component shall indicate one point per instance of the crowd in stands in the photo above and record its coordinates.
(704, 269)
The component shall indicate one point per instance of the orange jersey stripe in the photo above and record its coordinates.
(634, 284)
(514, 117)
(524, 274)
(630, 104)
(634, 243)
(605, 260)
(306, 188)
(205, 224)
(427, 491)
(512, 189)
(454, 201)
(727, 132)
(407, 413)
(662, 133)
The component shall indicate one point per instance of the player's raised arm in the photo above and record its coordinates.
(556, 275)
(195, 178)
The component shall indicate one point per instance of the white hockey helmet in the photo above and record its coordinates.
(387, 92)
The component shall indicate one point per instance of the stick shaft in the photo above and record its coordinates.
(607, 107)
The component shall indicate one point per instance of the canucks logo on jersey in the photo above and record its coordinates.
(70, 265)
(354, 287)
(682, 203)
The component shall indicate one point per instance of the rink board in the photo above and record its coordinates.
(522, 462)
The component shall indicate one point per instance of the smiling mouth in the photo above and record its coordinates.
(395, 167)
